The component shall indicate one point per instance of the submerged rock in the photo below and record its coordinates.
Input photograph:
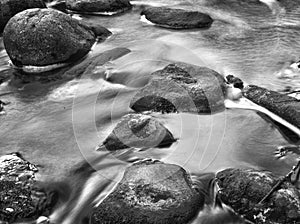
(177, 18)
(139, 131)
(244, 189)
(41, 37)
(283, 105)
(101, 32)
(101, 6)
(182, 88)
(150, 193)
(9, 8)
(19, 199)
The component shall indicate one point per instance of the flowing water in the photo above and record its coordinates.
(58, 124)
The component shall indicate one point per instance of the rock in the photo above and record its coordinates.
(243, 190)
(177, 18)
(19, 198)
(236, 82)
(182, 88)
(138, 131)
(9, 8)
(101, 6)
(41, 37)
(283, 105)
(101, 32)
(150, 193)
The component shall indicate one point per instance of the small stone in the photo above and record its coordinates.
(177, 18)
(138, 131)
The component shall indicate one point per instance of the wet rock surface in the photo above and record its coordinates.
(19, 198)
(98, 5)
(177, 18)
(283, 105)
(9, 8)
(151, 192)
(101, 32)
(244, 189)
(138, 130)
(181, 87)
(42, 37)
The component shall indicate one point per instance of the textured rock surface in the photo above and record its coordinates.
(138, 130)
(98, 5)
(9, 8)
(183, 88)
(284, 106)
(151, 192)
(243, 190)
(177, 18)
(19, 200)
(46, 36)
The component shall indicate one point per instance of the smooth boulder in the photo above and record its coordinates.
(283, 105)
(138, 131)
(101, 6)
(150, 193)
(19, 199)
(243, 189)
(181, 87)
(9, 8)
(177, 18)
(40, 37)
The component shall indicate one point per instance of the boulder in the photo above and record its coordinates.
(138, 131)
(243, 190)
(40, 37)
(9, 8)
(283, 105)
(101, 6)
(150, 193)
(177, 18)
(19, 199)
(181, 87)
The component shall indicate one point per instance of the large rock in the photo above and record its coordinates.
(243, 190)
(9, 8)
(138, 131)
(283, 105)
(114, 6)
(42, 37)
(177, 18)
(19, 199)
(182, 88)
(150, 193)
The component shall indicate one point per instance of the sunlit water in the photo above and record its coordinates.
(58, 124)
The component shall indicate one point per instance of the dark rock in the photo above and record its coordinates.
(9, 8)
(284, 106)
(151, 192)
(237, 83)
(19, 198)
(58, 5)
(183, 88)
(138, 131)
(46, 36)
(101, 32)
(177, 18)
(244, 189)
(98, 5)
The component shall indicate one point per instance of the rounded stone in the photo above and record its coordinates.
(177, 18)
(151, 192)
(243, 189)
(98, 5)
(9, 8)
(40, 37)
